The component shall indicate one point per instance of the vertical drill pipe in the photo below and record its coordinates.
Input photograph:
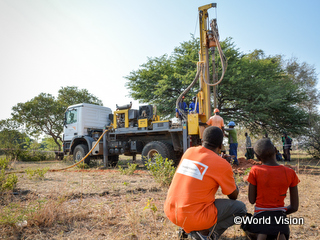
(205, 88)
(105, 151)
(214, 78)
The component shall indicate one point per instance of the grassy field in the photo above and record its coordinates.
(105, 204)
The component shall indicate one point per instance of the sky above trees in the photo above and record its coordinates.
(46, 45)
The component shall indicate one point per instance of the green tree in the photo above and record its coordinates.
(72, 95)
(312, 140)
(41, 115)
(48, 144)
(163, 79)
(12, 141)
(44, 114)
(305, 76)
(258, 92)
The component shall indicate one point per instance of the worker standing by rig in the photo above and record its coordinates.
(233, 141)
(194, 106)
(216, 120)
(183, 107)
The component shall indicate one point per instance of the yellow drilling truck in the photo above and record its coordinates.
(140, 131)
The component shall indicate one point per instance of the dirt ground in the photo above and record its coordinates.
(103, 204)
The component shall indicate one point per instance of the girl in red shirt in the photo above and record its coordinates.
(268, 185)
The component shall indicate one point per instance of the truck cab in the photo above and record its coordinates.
(83, 125)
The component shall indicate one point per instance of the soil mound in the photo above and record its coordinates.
(244, 164)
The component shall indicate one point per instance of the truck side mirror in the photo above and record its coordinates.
(65, 120)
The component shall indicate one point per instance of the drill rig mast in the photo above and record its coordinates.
(204, 94)
(209, 40)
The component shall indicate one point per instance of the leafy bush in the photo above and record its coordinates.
(31, 156)
(162, 169)
(7, 182)
(4, 162)
(83, 165)
(128, 171)
(36, 173)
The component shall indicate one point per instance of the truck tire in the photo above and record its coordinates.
(156, 147)
(79, 152)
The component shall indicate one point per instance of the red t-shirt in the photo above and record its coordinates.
(272, 184)
(191, 196)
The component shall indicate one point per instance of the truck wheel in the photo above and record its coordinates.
(79, 152)
(156, 147)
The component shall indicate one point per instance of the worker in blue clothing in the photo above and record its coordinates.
(192, 106)
(183, 106)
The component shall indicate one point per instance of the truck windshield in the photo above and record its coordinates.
(71, 116)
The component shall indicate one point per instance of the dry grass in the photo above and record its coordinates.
(103, 204)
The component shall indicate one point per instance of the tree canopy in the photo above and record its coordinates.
(262, 93)
(12, 141)
(44, 114)
(162, 79)
(72, 95)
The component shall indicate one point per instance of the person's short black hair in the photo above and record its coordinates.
(212, 136)
(264, 149)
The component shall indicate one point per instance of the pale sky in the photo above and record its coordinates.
(94, 44)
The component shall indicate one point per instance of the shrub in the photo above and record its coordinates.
(36, 173)
(128, 171)
(10, 182)
(7, 182)
(4, 162)
(162, 169)
(83, 165)
(32, 156)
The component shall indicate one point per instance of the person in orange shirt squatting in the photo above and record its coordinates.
(191, 203)
(268, 185)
